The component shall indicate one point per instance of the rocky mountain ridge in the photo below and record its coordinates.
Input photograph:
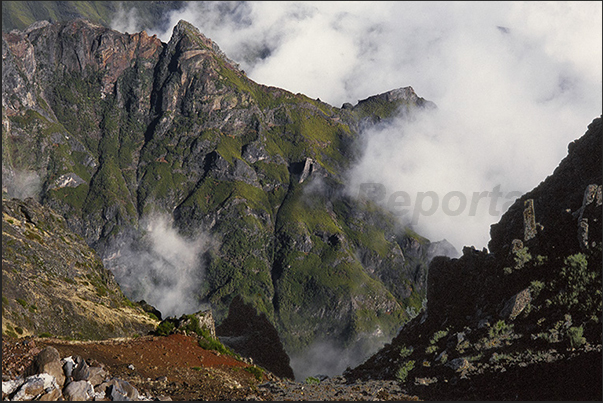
(118, 129)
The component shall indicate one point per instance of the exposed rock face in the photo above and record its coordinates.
(592, 200)
(118, 127)
(204, 318)
(530, 307)
(516, 304)
(529, 220)
(142, 125)
(307, 170)
(72, 294)
(378, 108)
(252, 335)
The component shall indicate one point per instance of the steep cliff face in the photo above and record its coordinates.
(118, 128)
(55, 284)
(560, 215)
(522, 320)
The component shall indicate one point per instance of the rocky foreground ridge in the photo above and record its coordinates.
(521, 321)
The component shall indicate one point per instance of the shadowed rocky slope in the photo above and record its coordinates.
(252, 335)
(523, 320)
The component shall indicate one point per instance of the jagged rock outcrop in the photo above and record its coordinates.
(204, 319)
(556, 200)
(55, 284)
(251, 334)
(520, 318)
(199, 324)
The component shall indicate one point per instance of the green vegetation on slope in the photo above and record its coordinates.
(184, 132)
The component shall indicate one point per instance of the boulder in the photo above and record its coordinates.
(68, 366)
(35, 386)
(117, 389)
(458, 364)
(516, 304)
(48, 361)
(78, 391)
(51, 395)
(82, 371)
(97, 375)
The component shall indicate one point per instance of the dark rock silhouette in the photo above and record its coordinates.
(528, 310)
(251, 334)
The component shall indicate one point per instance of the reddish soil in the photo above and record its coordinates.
(153, 356)
(177, 367)
(174, 366)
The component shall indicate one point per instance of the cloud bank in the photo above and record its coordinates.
(514, 83)
(162, 267)
(127, 20)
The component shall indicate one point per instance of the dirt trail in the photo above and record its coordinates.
(176, 366)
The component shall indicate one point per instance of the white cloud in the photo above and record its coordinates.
(163, 267)
(329, 358)
(21, 184)
(514, 83)
(126, 21)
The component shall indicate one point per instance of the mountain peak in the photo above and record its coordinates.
(121, 127)
(189, 38)
(186, 29)
(387, 105)
(398, 95)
